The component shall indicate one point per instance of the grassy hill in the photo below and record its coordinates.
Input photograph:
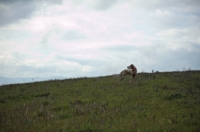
(154, 102)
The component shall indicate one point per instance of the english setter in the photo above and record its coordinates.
(132, 71)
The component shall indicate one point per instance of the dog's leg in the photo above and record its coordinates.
(131, 79)
(122, 76)
(134, 76)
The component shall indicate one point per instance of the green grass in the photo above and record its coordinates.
(154, 102)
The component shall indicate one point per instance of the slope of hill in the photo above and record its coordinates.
(154, 102)
(17, 80)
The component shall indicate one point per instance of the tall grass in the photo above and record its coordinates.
(154, 102)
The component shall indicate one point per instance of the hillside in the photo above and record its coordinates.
(167, 101)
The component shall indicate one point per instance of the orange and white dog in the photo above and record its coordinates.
(132, 71)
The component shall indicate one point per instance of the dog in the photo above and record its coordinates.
(132, 71)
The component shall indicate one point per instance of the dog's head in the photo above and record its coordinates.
(131, 66)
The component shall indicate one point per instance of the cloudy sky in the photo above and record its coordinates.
(75, 38)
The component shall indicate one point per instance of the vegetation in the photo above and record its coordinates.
(154, 102)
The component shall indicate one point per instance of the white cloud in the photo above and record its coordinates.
(91, 38)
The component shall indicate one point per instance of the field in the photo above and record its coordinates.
(168, 101)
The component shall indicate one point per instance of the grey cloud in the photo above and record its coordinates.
(105, 4)
(11, 12)
(193, 46)
(143, 4)
(146, 51)
(97, 4)
(167, 59)
(28, 2)
(166, 20)
(14, 10)
(171, 21)
(178, 59)
(154, 57)
(158, 4)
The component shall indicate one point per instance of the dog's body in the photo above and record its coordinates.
(132, 71)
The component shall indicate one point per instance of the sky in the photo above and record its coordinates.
(78, 38)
